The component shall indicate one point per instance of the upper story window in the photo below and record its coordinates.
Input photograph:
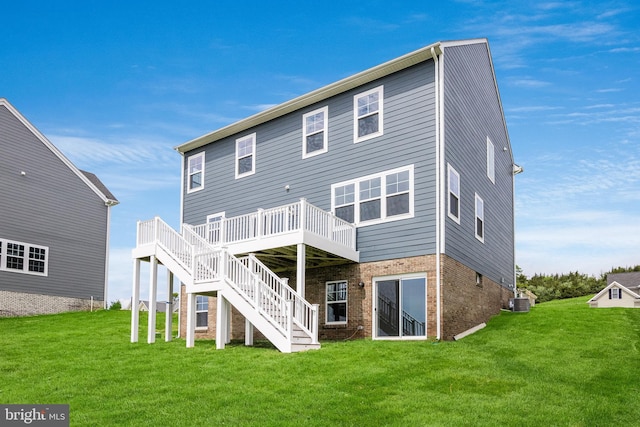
(453, 179)
(368, 114)
(479, 218)
(314, 132)
(337, 302)
(246, 156)
(195, 172)
(23, 257)
(491, 163)
(385, 196)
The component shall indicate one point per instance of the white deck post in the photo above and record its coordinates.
(191, 320)
(153, 295)
(221, 320)
(300, 269)
(168, 321)
(135, 301)
(248, 333)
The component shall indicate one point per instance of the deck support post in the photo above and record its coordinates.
(191, 319)
(168, 320)
(153, 296)
(135, 301)
(248, 333)
(300, 269)
(221, 322)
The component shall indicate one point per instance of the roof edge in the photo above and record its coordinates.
(343, 85)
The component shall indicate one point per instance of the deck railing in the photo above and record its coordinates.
(157, 231)
(295, 217)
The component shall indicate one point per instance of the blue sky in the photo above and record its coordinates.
(116, 85)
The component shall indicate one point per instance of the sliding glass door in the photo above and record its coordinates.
(400, 307)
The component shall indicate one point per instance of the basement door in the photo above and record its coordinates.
(400, 307)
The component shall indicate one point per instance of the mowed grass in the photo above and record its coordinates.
(562, 364)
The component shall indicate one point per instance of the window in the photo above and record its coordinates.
(479, 218)
(400, 307)
(337, 302)
(246, 156)
(314, 132)
(21, 257)
(491, 165)
(615, 293)
(385, 196)
(195, 172)
(454, 194)
(368, 111)
(479, 280)
(202, 311)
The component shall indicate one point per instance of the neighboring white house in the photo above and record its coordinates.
(615, 295)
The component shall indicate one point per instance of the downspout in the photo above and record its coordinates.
(181, 222)
(439, 193)
(516, 170)
(109, 204)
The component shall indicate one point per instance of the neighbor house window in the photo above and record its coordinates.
(479, 218)
(314, 132)
(385, 196)
(368, 114)
(337, 302)
(195, 172)
(246, 156)
(615, 293)
(202, 311)
(491, 163)
(22, 257)
(454, 194)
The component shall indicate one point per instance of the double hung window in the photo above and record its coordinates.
(246, 156)
(375, 198)
(337, 302)
(368, 114)
(491, 163)
(314, 132)
(22, 257)
(202, 311)
(195, 172)
(453, 180)
(479, 218)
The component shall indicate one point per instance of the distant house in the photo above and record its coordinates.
(622, 290)
(381, 206)
(54, 225)
(615, 295)
(161, 306)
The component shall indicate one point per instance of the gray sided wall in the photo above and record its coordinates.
(409, 138)
(472, 113)
(49, 206)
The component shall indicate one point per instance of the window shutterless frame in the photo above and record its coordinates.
(479, 218)
(315, 139)
(453, 202)
(26, 258)
(195, 172)
(368, 114)
(246, 156)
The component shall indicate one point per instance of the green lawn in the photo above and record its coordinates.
(561, 364)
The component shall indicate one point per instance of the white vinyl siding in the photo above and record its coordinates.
(246, 156)
(385, 196)
(20, 257)
(314, 132)
(368, 114)
(195, 172)
(453, 179)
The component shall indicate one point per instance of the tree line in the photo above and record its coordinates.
(559, 286)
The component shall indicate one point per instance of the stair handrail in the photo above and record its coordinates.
(304, 314)
(159, 232)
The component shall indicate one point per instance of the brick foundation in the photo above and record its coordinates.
(15, 304)
(464, 303)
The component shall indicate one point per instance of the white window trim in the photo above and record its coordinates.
(451, 170)
(479, 215)
(252, 137)
(383, 196)
(345, 301)
(325, 131)
(380, 112)
(189, 160)
(25, 264)
(491, 162)
(202, 328)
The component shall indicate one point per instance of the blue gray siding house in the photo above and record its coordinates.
(413, 154)
(54, 225)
